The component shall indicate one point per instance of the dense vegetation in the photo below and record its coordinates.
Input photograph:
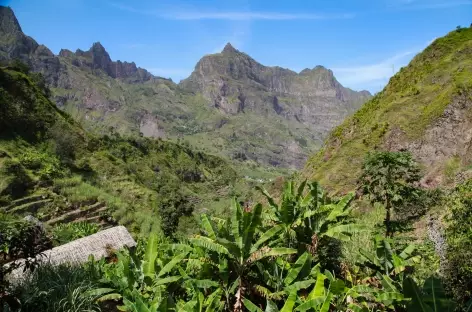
(277, 257)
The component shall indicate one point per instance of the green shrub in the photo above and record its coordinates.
(45, 165)
(173, 205)
(19, 239)
(451, 167)
(458, 272)
(15, 180)
(66, 232)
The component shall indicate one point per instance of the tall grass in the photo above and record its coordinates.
(61, 288)
(372, 218)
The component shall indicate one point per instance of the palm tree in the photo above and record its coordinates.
(235, 248)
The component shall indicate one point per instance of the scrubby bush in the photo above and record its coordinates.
(458, 271)
(172, 205)
(66, 232)
(15, 180)
(45, 165)
(19, 239)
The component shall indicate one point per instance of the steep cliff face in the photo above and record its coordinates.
(230, 105)
(14, 44)
(426, 108)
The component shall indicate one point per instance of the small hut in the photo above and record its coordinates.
(97, 245)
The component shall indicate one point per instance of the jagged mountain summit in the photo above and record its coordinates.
(16, 45)
(230, 105)
(97, 58)
(236, 83)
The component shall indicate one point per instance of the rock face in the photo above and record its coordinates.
(449, 136)
(97, 58)
(236, 83)
(426, 108)
(8, 22)
(230, 105)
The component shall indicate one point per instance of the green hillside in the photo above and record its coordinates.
(51, 168)
(425, 108)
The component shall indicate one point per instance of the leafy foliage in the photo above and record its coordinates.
(389, 178)
(432, 297)
(67, 232)
(311, 218)
(459, 243)
(243, 263)
(18, 239)
(58, 289)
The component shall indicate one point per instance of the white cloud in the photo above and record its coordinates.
(233, 15)
(371, 75)
(375, 76)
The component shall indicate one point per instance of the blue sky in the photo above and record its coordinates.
(362, 41)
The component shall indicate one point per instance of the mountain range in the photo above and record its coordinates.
(230, 105)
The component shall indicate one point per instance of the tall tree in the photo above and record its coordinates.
(389, 178)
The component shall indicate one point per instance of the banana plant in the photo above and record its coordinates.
(238, 247)
(385, 261)
(308, 218)
(321, 298)
(282, 277)
(202, 303)
(290, 213)
(430, 298)
(141, 282)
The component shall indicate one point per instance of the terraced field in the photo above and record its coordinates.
(53, 209)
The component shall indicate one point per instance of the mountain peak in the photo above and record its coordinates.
(229, 49)
(98, 50)
(8, 22)
(316, 69)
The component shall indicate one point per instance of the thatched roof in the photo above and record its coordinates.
(97, 244)
(78, 251)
